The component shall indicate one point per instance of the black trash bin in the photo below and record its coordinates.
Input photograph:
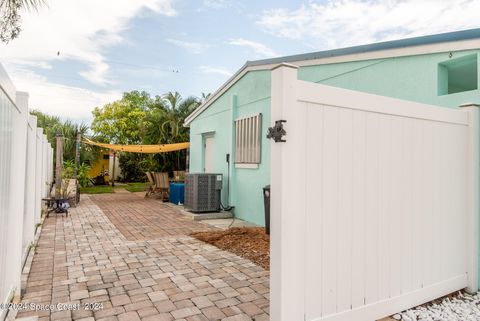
(266, 203)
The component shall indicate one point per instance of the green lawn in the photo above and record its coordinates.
(96, 189)
(136, 187)
(131, 187)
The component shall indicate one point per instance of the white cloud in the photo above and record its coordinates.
(259, 48)
(67, 102)
(194, 47)
(215, 70)
(79, 30)
(216, 4)
(351, 22)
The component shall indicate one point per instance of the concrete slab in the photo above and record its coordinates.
(208, 216)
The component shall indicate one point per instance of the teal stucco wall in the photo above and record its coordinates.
(414, 78)
(248, 96)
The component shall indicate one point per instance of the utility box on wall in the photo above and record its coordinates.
(202, 192)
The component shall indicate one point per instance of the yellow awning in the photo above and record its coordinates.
(147, 149)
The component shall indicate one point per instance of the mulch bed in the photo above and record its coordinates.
(248, 242)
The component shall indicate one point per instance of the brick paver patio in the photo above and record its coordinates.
(141, 267)
(145, 219)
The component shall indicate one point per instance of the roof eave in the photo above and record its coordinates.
(446, 38)
(213, 97)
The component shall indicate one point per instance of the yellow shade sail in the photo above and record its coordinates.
(146, 149)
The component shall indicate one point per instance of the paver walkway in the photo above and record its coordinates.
(153, 272)
(145, 219)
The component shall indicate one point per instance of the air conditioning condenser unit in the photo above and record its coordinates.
(202, 192)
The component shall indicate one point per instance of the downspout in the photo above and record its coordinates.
(232, 171)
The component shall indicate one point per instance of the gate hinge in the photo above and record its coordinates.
(277, 132)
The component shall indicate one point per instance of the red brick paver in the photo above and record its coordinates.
(154, 272)
(145, 219)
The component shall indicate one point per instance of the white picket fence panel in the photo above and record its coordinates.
(374, 202)
(26, 170)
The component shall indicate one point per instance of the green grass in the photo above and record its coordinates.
(100, 189)
(136, 187)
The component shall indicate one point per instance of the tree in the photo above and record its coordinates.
(52, 125)
(138, 118)
(10, 16)
(177, 109)
(122, 121)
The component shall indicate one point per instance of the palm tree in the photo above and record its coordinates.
(187, 106)
(205, 97)
(172, 99)
(152, 127)
(52, 125)
(177, 109)
(10, 16)
(173, 131)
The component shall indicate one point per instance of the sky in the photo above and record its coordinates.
(72, 56)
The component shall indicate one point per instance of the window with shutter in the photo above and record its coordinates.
(248, 140)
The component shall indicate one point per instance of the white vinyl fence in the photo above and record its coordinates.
(374, 202)
(26, 170)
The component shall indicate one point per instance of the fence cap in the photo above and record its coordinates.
(469, 105)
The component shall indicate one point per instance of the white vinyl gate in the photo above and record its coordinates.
(374, 202)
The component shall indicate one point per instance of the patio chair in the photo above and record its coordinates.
(162, 184)
(178, 176)
(153, 187)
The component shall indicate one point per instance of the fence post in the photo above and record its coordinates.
(38, 175)
(50, 168)
(30, 207)
(77, 167)
(473, 147)
(45, 165)
(287, 180)
(17, 195)
(58, 166)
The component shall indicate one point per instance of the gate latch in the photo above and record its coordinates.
(277, 132)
